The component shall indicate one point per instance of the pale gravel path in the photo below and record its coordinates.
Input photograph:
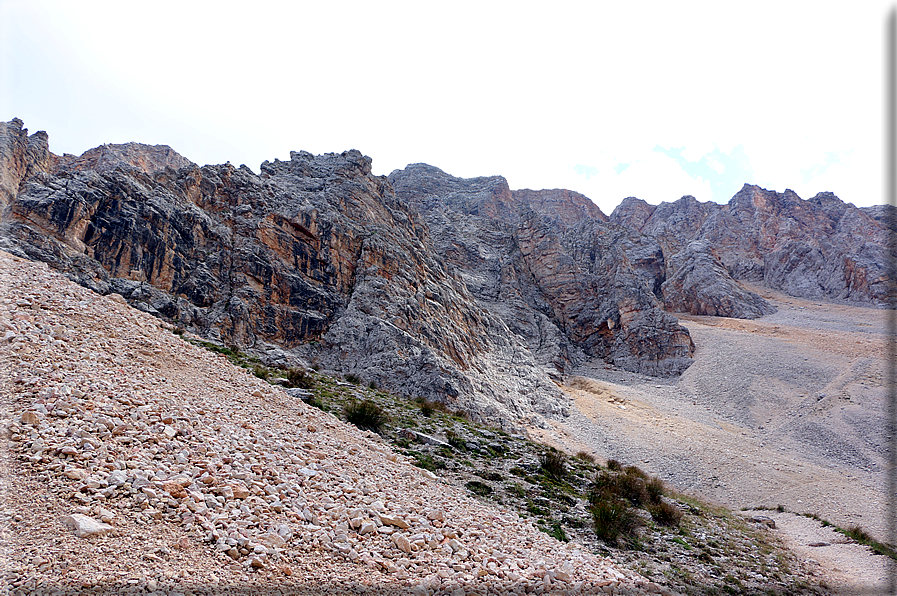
(784, 410)
(848, 567)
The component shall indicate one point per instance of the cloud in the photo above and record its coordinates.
(620, 168)
(726, 172)
(585, 171)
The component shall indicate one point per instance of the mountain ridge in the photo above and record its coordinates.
(458, 290)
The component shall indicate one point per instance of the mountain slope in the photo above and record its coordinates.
(211, 481)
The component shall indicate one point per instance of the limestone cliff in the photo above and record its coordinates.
(314, 256)
(459, 290)
(821, 248)
(551, 268)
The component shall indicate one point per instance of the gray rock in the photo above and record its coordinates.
(699, 284)
(85, 527)
(422, 438)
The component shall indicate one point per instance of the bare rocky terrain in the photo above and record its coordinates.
(138, 463)
(135, 462)
(530, 311)
(787, 409)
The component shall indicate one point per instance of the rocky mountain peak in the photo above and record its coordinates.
(487, 196)
(565, 207)
(632, 212)
(423, 283)
(105, 158)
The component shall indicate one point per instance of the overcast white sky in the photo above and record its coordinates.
(611, 99)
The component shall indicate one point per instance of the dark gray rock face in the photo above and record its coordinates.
(701, 285)
(821, 248)
(552, 269)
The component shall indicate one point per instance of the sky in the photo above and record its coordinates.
(611, 99)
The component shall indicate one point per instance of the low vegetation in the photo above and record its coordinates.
(365, 415)
(614, 509)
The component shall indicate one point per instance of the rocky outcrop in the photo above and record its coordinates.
(552, 270)
(105, 158)
(565, 208)
(701, 285)
(21, 156)
(314, 258)
(633, 213)
(821, 248)
(459, 290)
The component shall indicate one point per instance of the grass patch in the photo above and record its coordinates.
(666, 514)
(366, 415)
(428, 407)
(428, 462)
(586, 457)
(298, 378)
(479, 488)
(554, 464)
(517, 490)
(455, 440)
(614, 519)
(860, 535)
(553, 529)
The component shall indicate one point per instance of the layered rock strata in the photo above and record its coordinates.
(821, 248)
(549, 266)
(314, 256)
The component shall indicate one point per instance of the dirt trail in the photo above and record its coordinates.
(784, 410)
(848, 567)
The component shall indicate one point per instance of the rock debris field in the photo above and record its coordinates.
(136, 462)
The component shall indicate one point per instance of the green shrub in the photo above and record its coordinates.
(634, 471)
(480, 488)
(296, 377)
(261, 372)
(655, 489)
(535, 509)
(613, 518)
(666, 514)
(554, 464)
(614, 465)
(365, 415)
(556, 531)
(624, 486)
(352, 378)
